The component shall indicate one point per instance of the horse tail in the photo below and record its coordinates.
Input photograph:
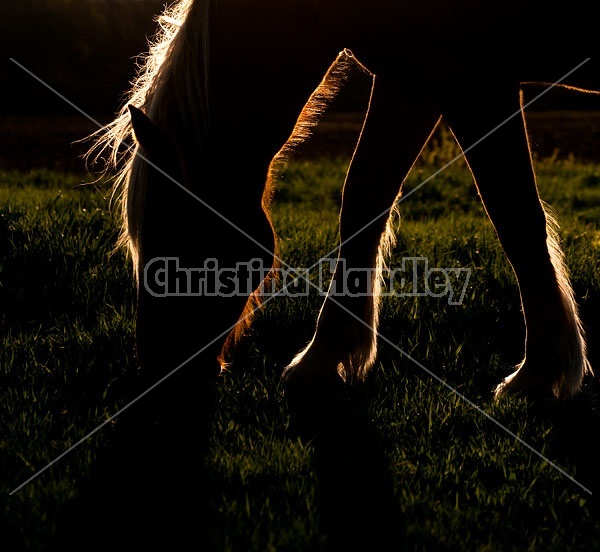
(175, 66)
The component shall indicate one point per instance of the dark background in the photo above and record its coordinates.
(86, 49)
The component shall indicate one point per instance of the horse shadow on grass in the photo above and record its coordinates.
(149, 489)
(573, 442)
(575, 422)
(355, 488)
(148, 492)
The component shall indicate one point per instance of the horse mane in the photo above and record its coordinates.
(163, 78)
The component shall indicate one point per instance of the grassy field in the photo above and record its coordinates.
(401, 456)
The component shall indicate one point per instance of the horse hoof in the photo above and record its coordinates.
(315, 369)
(522, 383)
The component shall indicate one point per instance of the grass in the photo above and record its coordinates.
(403, 455)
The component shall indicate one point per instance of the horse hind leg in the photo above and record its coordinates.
(344, 344)
(555, 360)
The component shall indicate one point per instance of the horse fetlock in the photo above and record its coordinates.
(346, 354)
(556, 373)
(524, 381)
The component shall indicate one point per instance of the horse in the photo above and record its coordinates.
(228, 89)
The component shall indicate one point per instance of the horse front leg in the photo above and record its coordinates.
(344, 344)
(555, 360)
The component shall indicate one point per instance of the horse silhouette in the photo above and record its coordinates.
(229, 88)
